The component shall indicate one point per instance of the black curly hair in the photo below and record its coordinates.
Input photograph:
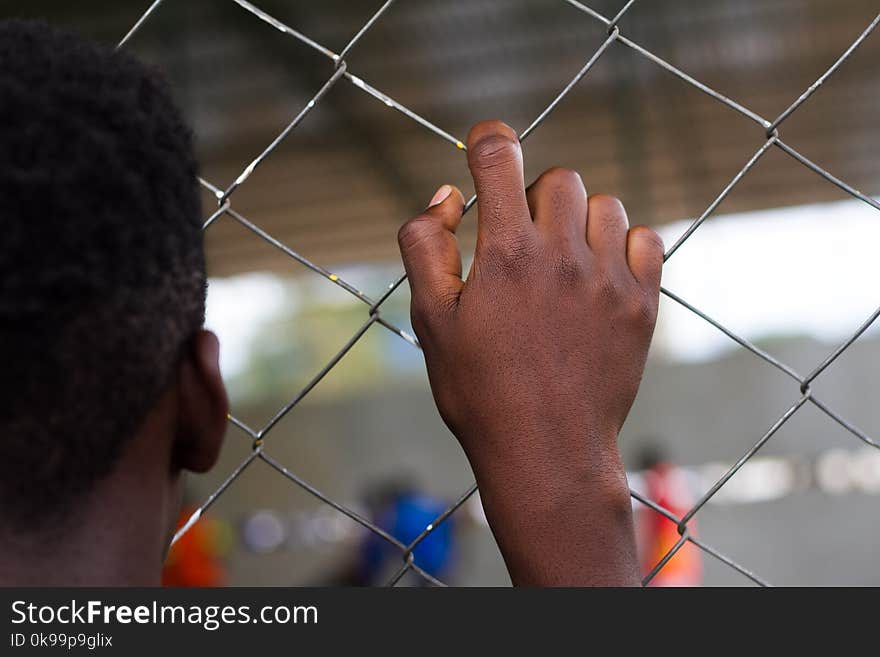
(102, 272)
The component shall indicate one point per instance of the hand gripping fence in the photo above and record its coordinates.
(769, 137)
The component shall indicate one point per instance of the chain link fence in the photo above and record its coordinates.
(767, 137)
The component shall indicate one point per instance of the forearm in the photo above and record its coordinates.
(560, 521)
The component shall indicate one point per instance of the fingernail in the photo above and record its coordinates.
(440, 195)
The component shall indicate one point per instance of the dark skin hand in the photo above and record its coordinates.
(535, 359)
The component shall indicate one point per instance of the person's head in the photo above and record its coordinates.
(109, 387)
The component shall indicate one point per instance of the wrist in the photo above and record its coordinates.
(560, 517)
(577, 532)
(540, 480)
(545, 456)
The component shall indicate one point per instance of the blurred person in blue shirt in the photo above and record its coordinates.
(401, 510)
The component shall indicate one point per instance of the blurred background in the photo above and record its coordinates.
(788, 261)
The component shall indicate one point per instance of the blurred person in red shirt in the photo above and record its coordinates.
(667, 485)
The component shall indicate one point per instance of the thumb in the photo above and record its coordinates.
(430, 254)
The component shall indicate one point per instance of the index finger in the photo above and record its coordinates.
(495, 161)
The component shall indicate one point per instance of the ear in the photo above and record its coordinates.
(203, 406)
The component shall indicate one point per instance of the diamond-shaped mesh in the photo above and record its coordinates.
(768, 136)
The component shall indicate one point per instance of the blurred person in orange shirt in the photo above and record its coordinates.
(196, 559)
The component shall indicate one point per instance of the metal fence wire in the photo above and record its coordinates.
(768, 136)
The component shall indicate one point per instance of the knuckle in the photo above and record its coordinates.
(413, 232)
(558, 187)
(650, 237)
(560, 177)
(609, 290)
(426, 311)
(493, 150)
(624, 299)
(607, 204)
(609, 211)
(642, 310)
(514, 254)
(570, 269)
